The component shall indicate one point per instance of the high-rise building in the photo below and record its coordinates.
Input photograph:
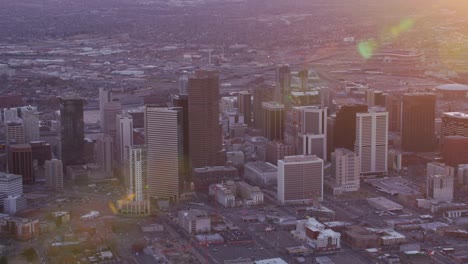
(54, 174)
(111, 110)
(41, 151)
(9, 114)
(437, 168)
(261, 94)
(371, 145)
(11, 184)
(393, 106)
(21, 163)
(72, 131)
(346, 169)
(418, 122)
(283, 85)
(312, 135)
(14, 132)
(205, 136)
(454, 124)
(181, 101)
(455, 150)
(303, 79)
(183, 82)
(244, 101)
(164, 139)
(124, 124)
(300, 179)
(273, 121)
(105, 96)
(137, 201)
(276, 150)
(104, 151)
(331, 120)
(376, 98)
(345, 125)
(30, 118)
(313, 144)
(440, 187)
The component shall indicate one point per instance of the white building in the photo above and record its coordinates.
(300, 179)
(124, 138)
(104, 97)
(261, 173)
(30, 118)
(440, 188)
(463, 174)
(164, 142)
(195, 221)
(223, 194)
(9, 115)
(13, 204)
(345, 169)
(371, 145)
(11, 188)
(437, 168)
(14, 132)
(54, 174)
(252, 195)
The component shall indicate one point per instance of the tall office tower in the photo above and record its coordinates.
(111, 110)
(54, 174)
(183, 82)
(181, 101)
(346, 169)
(300, 179)
(124, 124)
(376, 98)
(462, 174)
(394, 112)
(41, 151)
(104, 151)
(326, 97)
(440, 187)
(331, 120)
(137, 202)
(138, 116)
(276, 150)
(303, 79)
(105, 96)
(164, 140)
(30, 118)
(283, 85)
(9, 114)
(371, 144)
(455, 150)
(273, 121)
(205, 137)
(11, 185)
(312, 136)
(21, 163)
(418, 122)
(261, 94)
(72, 131)
(454, 124)
(345, 125)
(14, 132)
(244, 101)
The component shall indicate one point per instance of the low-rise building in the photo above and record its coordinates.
(195, 221)
(223, 194)
(251, 194)
(261, 173)
(317, 236)
(359, 237)
(19, 228)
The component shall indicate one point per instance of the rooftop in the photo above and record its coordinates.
(456, 115)
(452, 87)
(262, 166)
(8, 176)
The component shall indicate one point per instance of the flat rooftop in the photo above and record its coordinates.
(394, 185)
(262, 166)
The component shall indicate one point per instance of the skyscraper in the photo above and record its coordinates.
(300, 179)
(261, 94)
(418, 122)
(21, 163)
(137, 201)
(181, 101)
(124, 124)
(303, 79)
(205, 137)
(104, 151)
(164, 139)
(273, 124)
(54, 174)
(283, 85)
(454, 124)
(346, 169)
(371, 145)
(30, 118)
(105, 96)
(345, 125)
(183, 81)
(393, 105)
(244, 101)
(15, 132)
(72, 131)
(312, 135)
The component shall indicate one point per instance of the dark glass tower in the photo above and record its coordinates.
(418, 122)
(345, 125)
(180, 101)
(72, 131)
(205, 138)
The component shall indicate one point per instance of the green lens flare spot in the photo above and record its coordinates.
(366, 49)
